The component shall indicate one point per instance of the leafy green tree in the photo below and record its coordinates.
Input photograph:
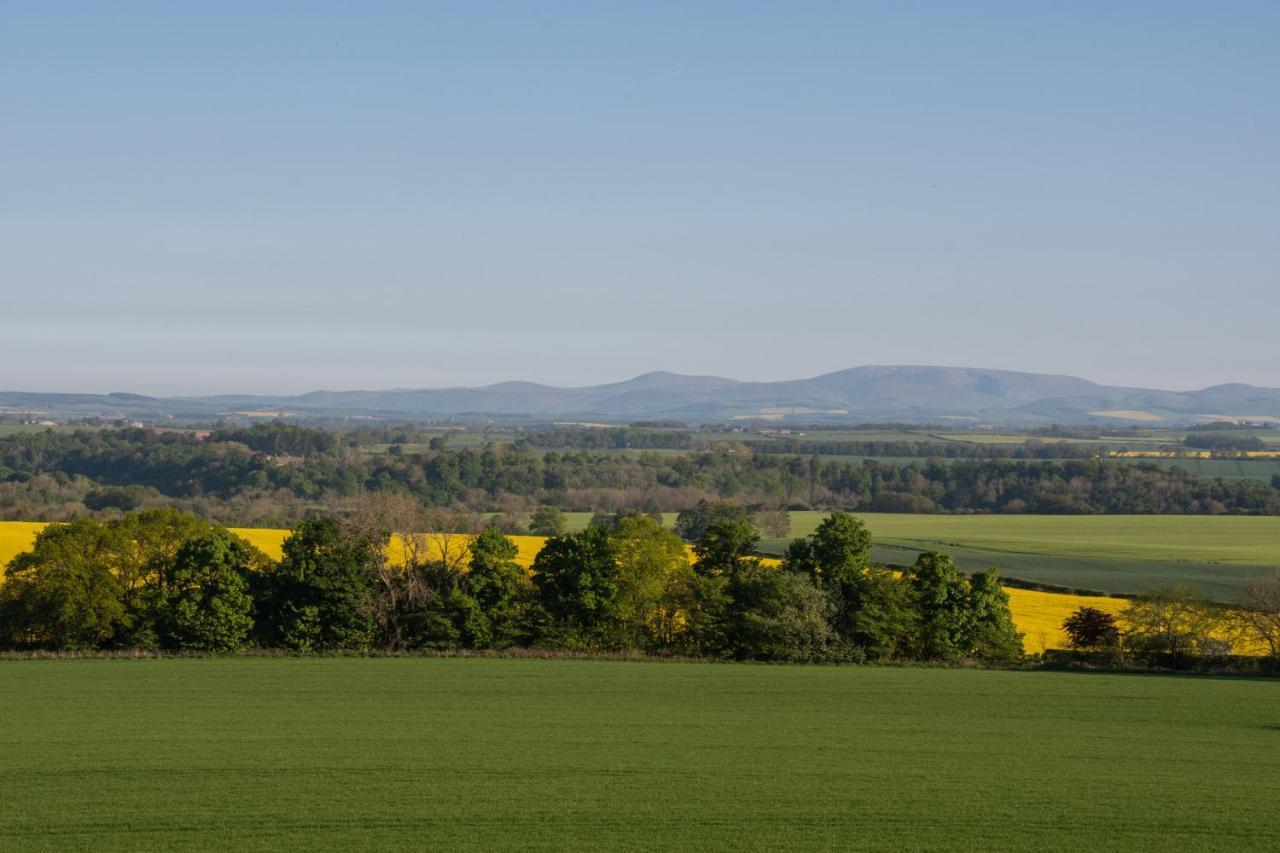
(874, 613)
(995, 639)
(547, 521)
(445, 615)
(320, 594)
(205, 603)
(499, 586)
(149, 542)
(578, 585)
(872, 610)
(63, 593)
(777, 616)
(799, 559)
(725, 546)
(649, 560)
(841, 545)
(838, 551)
(941, 594)
(692, 524)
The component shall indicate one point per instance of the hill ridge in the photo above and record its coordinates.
(866, 393)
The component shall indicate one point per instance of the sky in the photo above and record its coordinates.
(202, 198)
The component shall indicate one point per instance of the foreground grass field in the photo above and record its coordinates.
(407, 754)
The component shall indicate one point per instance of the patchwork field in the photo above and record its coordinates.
(407, 754)
(1226, 469)
(1106, 553)
(1233, 540)
(1110, 553)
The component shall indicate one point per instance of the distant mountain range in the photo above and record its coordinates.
(860, 394)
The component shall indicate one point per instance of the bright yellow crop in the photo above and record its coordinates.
(16, 537)
(265, 539)
(19, 536)
(1039, 615)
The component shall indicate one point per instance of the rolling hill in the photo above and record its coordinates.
(860, 394)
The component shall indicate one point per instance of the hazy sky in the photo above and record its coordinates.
(271, 197)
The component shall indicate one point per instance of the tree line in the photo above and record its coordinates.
(160, 579)
(1224, 440)
(1179, 628)
(275, 475)
(1032, 448)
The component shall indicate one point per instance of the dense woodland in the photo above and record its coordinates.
(276, 474)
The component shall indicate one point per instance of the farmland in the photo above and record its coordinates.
(1237, 540)
(317, 754)
(1112, 553)
(1226, 469)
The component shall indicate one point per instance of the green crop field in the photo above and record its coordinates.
(855, 435)
(1226, 469)
(27, 429)
(984, 437)
(1108, 553)
(1240, 540)
(410, 754)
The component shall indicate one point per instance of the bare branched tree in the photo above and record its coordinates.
(1175, 622)
(448, 534)
(396, 521)
(1259, 617)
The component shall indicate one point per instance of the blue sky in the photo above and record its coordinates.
(219, 197)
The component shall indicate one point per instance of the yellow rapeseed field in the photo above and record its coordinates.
(265, 539)
(1160, 454)
(16, 537)
(1038, 615)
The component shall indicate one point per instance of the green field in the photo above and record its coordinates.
(1108, 553)
(1239, 540)
(27, 429)
(1226, 469)
(408, 754)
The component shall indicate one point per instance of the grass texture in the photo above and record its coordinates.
(487, 754)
